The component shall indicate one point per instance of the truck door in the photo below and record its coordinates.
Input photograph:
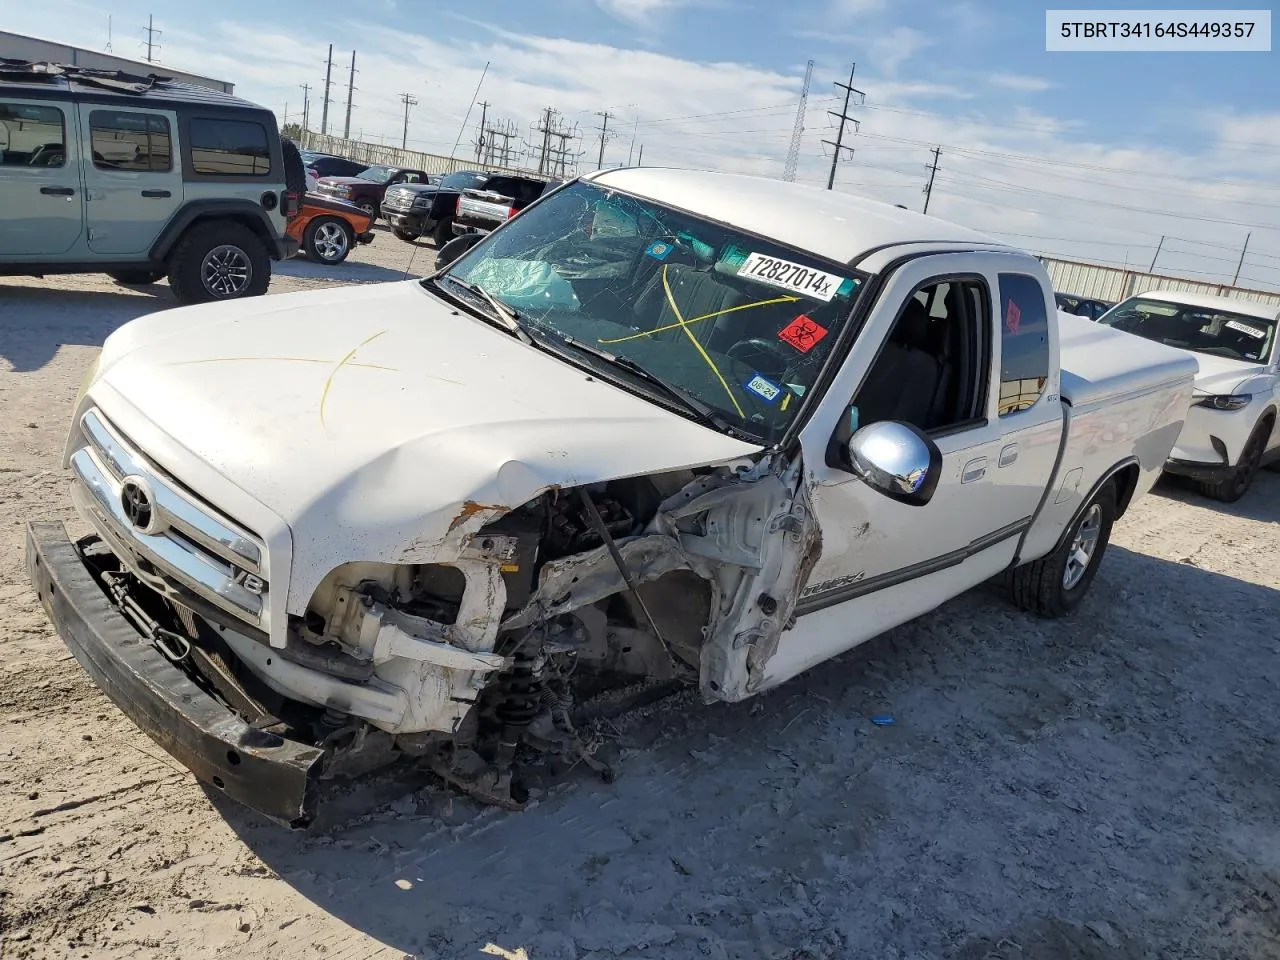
(40, 190)
(929, 356)
(133, 184)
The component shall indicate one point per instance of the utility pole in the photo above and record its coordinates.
(351, 85)
(1159, 246)
(306, 105)
(328, 74)
(152, 46)
(640, 159)
(632, 148)
(484, 121)
(797, 131)
(844, 117)
(409, 100)
(605, 117)
(1241, 263)
(546, 130)
(933, 172)
(108, 49)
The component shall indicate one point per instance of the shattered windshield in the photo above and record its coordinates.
(1218, 333)
(737, 323)
(376, 174)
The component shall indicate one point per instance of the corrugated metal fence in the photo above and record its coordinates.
(1114, 284)
(377, 153)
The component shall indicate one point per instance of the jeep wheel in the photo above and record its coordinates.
(443, 233)
(1054, 585)
(136, 278)
(221, 260)
(1235, 484)
(408, 236)
(328, 240)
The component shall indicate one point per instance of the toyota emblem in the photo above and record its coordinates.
(138, 504)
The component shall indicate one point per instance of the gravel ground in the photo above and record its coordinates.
(1101, 788)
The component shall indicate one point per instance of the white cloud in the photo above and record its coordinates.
(892, 49)
(1019, 82)
(849, 9)
(638, 12)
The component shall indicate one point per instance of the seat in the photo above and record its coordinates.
(695, 292)
(904, 379)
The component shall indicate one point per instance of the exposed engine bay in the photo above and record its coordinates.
(481, 666)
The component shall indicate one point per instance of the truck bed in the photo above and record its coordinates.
(1100, 363)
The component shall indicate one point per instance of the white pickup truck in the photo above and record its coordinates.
(699, 428)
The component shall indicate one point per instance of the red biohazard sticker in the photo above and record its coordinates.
(802, 333)
(1012, 318)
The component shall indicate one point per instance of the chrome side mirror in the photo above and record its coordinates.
(455, 248)
(897, 460)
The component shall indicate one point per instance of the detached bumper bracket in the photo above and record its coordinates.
(270, 774)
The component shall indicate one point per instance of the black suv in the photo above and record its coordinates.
(142, 178)
(428, 209)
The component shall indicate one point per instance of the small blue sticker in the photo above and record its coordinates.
(883, 720)
(659, 250)
(764, 388)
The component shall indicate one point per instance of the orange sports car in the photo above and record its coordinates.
(327, 229)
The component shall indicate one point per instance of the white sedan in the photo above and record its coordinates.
(1230, 430)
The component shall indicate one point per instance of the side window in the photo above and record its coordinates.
(229, 148)
(129, 141)
(933, 369)
(32, 136)
(1024, 342)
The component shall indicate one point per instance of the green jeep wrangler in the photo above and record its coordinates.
(142, 178)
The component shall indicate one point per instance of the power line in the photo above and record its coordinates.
(797, 131)
(351, 86)
(933, 172)
(409, 100)
(844, 118)
(324, 112)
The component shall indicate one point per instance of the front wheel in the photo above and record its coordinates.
(328, 240)
(370, 209)
(1235, 484)
(1054, 585)
(408, 236)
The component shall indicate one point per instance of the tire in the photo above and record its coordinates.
(136, 278)
(408, 236)
(443, 233)
(230, 254)
(1054, 585)
(328, 240)
(370, 209)
(1234, 485)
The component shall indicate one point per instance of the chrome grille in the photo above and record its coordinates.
(164, 534)
(400, 199)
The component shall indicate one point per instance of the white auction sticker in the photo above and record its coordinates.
(1245, 328)
(791, 276)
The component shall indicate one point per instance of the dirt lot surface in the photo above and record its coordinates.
(1101, 788)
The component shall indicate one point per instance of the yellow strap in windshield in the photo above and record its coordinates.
(694, 340)
(705, 316)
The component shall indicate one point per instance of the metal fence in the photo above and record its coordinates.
(377, 153)
(1115, 284)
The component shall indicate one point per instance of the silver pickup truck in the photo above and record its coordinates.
(664, 426)
(484, 210)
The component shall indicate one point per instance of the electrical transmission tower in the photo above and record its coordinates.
(351, 86)
(497, 154)
(605, 135)
(152, 33)
(797, 132)
(409, 100)
(843, 116)
(933, 172)
(481, 141)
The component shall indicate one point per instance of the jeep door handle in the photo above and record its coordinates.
(156, 194)
(974, 470)
(57, 191)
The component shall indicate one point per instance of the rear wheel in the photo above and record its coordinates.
(1054, 585)
(136, 278)
(1234, 485)
(328, 240)
(408, 236)
(219, 260)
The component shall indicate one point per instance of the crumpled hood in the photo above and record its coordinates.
(377, 415)
(1224, 376)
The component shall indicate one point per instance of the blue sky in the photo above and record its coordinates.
(1092, 155)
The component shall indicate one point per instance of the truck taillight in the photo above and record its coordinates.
(511, 212)
(457, 209)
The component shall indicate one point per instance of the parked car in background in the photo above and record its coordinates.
(429, 210)
(186, 183)
(1082, 306)
(327, 165)
(366, 188)
(664, 425)
(1231, 429)
(482, 210)
(328, 229)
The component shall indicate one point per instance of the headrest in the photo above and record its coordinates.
(913, 326)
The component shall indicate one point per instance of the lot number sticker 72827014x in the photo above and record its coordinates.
(791, 276)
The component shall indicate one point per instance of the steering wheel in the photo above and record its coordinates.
(763, 356)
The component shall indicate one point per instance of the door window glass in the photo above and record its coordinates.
(130, 141)
(32, 136)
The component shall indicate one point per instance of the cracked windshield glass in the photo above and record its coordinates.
(737, 324)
